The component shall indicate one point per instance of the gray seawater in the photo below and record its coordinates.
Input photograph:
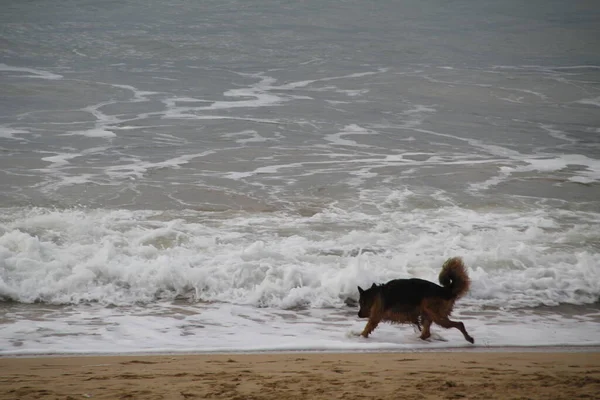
(277, 154)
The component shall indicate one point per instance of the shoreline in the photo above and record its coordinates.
(456, 349)
(269, 376)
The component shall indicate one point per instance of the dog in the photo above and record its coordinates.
(417, 301)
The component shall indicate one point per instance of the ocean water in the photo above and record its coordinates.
(221, 175)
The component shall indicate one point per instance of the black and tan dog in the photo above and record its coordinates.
(417, 301)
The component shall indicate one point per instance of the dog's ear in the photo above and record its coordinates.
(373, 286)
(360, 291)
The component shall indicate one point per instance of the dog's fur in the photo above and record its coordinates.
(417, 301)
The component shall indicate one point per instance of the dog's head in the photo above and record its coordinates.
(367, 297)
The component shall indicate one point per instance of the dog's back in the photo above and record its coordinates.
(410, 292)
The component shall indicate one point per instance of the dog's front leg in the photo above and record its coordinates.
(375, 316)
(370, 327)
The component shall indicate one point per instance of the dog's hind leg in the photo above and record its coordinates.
(418, 325)
(446, 323)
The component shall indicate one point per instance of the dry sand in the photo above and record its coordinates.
(440, 375)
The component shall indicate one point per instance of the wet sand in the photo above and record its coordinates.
(430, 375)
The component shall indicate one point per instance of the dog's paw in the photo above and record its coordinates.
(352, 333)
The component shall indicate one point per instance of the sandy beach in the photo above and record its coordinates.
(439, 375)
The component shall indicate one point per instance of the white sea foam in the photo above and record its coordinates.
(246, 136)
(95, 133)
(256, 95)
(590, 172)
(557, 133)
(264, 93)
(60, 159)
(545, 163)
(593, 101)
(138, 95)
(9, 133)
(302, 84)
(35, 73)
(546, 67)
(353, 129)
(122, 257)
(138, 168)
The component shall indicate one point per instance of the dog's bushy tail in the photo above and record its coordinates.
(454, 277)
